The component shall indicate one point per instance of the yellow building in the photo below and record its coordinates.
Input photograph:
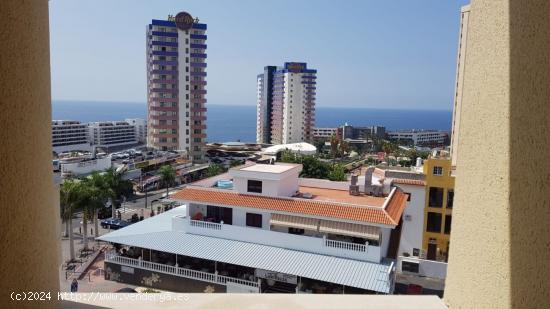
(438, 207)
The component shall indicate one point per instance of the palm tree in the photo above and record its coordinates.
(344, 147)
(167, 176)
(116, 187)
(86, 202)
(334, 142)
(98, 192)
(69, 195)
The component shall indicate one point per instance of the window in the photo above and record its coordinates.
(438, 170)
(296, 231)
(254, 220)
(448, 220)
(450, 198)
(435, 197)
(408, 196)
(434, 222)
(254, 186)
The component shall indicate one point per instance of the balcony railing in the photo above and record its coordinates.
(205, 224)
(178, 271)
(319, 245)
(346, 245)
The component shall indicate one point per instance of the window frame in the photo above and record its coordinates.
(255, 185)
(254, 220)
(428, 225)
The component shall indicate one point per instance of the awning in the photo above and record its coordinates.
(350, 229)
(294, 221)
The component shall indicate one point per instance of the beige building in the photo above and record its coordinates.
(460, 64)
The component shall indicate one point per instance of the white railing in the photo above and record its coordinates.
(311, 244)
(205, 224)
(345, 245)
(178, 271)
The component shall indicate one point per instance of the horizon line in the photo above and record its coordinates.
(250, 105)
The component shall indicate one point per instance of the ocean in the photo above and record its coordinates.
(238, 123)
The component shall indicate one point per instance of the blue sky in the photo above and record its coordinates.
(378, 54)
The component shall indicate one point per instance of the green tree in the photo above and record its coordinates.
(167, 176)
(116, 187)
(214, 169)
(320, 144)
(337, 173)
(234, 163)
(288, 157)
(344, 148)
(68, 198)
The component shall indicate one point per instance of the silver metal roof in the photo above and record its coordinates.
(156, 233)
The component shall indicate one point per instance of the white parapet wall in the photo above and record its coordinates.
(426, 268)
(86, 167)
(323, 183)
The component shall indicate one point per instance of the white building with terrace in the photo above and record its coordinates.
(259, 229)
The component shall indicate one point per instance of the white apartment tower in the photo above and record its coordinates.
(176, 77)
(286, 104)
(140, 127)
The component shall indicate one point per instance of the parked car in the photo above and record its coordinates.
(114, 224)
(106, 223)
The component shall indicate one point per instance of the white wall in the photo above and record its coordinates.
(386, 233)
(239, 214)
(426, 268)
(412, 230)
(282, 240)
(86, 167)
(273, 184)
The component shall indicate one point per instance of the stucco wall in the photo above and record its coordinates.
(29, 224)
(499, 243)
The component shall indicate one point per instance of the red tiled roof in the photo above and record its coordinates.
(378, 215)
(396, 206)
(414, 182)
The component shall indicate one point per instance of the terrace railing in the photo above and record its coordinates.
(178, 271)
(345, 245)
(206, 224)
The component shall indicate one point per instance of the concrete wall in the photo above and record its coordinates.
(500, 239)
(29, 224)
(286, 186)
(86, 167)
(413, 220)
(427, 268)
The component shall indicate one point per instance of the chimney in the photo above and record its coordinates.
(354, 188)
(368, 180)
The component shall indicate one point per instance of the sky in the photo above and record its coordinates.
(375, 54)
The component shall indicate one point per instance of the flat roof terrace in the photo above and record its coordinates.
(269, 168)
(341, 196)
